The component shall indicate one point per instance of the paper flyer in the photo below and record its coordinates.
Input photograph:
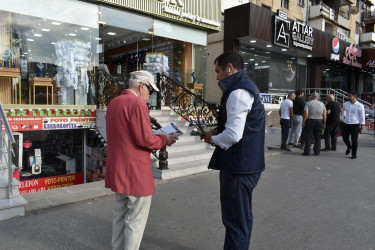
(169, 129)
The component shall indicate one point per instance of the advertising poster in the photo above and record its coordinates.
(36, 185)
(50, 119)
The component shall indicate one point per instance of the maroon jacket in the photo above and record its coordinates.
(130, 141)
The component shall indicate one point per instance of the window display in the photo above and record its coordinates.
(64, 54)
(51, 153)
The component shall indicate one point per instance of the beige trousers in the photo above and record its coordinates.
(129, 221)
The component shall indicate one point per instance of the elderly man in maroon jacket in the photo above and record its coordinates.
(129, 172)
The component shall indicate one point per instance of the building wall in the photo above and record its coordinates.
(294, 11)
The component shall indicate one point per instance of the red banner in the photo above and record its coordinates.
(51, 119)
(36, 185)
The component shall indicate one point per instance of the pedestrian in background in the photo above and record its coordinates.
(308, 98)
(373, 122)
(333, 122)
(239, 152)
(129, 173)
(354, 121)
(314, 118)
(296, 130)
(286, 117)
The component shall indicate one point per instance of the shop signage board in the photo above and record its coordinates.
(42, 184)
(300, 33)
(205, 14)
(282, 29)
(335, 48)
(368, 60)
(266, 98)
(28, 120)
(352, 54)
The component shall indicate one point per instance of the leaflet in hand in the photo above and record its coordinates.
(169, 129)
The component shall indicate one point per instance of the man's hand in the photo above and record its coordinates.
(207, 136)
(361, 131)
(171, 139)
(324, 125)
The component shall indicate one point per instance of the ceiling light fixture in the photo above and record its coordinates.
(269, 46)
(97, 38)
(111, 33)
(309, 55)
(84, 28)
(30, 40)
(283, 49)
(56, 23)
(72, 34)
(253, 41)
(44, 29)
(38, 35)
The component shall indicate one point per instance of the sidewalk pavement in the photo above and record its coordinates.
(67, 195)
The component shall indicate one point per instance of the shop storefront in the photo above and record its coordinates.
(282, 54)
(49, 61)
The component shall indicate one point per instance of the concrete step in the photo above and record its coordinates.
(168, 118)
(182, 169)
(4, 173)
(10, 208)
(4, 188)
(188, 146)
(154, 113)
(188, 156)
(186, 137)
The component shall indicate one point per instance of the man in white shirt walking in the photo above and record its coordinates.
(354, 114)
(286, 116)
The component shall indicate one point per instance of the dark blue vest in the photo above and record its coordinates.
(247, 155)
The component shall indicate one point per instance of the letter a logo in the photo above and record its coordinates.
(282, 33)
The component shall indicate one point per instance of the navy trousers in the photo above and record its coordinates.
(236, 208)
(313, 129)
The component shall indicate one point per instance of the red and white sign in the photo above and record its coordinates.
(26, 120)
(352, 54)
(25, 123)
(27, 143)
(36, 185)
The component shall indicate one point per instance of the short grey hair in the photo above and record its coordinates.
(315, 95)
(331, 96)
(133, 83)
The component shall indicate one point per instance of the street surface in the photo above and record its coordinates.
(315, 202)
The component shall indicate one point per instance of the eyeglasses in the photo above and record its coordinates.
(150, 89)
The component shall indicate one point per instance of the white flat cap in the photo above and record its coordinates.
(144, 76)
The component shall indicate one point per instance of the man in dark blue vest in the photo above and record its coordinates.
(239, 153)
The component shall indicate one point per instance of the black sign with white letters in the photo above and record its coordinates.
(282, 31)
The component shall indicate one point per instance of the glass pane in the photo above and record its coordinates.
(53, 59)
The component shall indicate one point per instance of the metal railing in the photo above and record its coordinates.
(7, 147)
(108, 88)
(341, 96)
(191, 107)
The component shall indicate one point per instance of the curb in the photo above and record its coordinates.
(72, 194)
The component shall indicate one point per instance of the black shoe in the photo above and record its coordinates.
(353, 157)
(286, 148)
(298, 146)
(305, 154)
(347, 151)
(333, 149)
(325, 149)
(316, 154)
(289, 144)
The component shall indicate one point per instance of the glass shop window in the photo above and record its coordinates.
(43, 61)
